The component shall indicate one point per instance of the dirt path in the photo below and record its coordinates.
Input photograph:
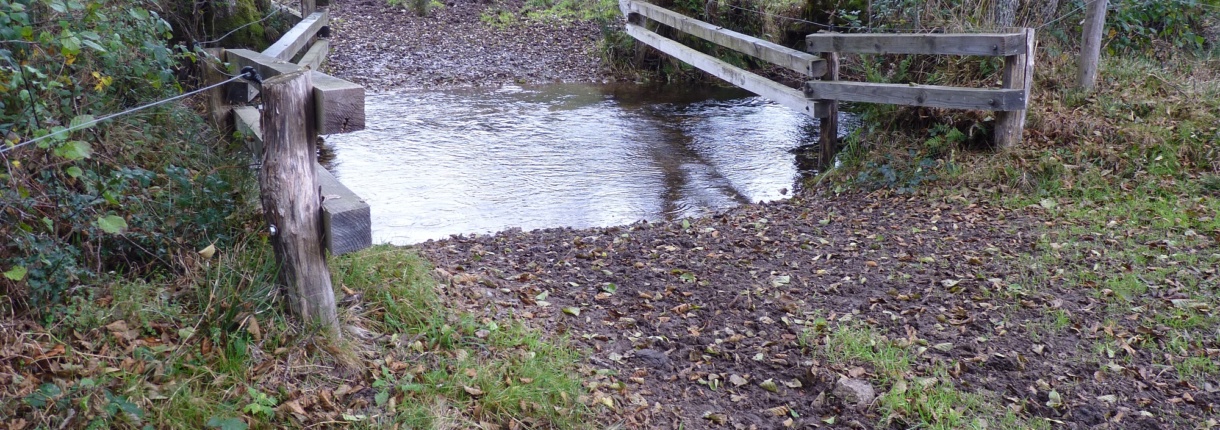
(385, 47)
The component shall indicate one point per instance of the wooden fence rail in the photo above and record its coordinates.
(804, 63)
(801, 62)
(819, 98)
(1010, 100)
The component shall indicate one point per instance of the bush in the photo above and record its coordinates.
(122, 197)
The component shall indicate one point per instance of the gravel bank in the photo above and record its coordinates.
(388, 47)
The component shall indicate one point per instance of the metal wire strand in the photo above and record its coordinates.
(119, 114)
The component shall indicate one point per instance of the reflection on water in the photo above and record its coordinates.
(432, 164)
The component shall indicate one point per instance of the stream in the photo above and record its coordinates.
(436, 163)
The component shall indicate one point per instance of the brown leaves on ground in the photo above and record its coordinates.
(705, 325)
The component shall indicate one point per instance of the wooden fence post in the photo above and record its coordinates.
(1018, 74)
(291, 200)
(828, 116)
(1090, 53)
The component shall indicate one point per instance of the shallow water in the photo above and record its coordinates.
(436, 163)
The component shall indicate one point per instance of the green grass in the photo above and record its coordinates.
(217, 347)
(909, 398)
(601, 11)
(1122, 183)
(478, 368)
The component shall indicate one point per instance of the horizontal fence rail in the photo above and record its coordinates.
(801, 62)
(995, 45)
(917, 95)
(1010, 101)
(790, 97)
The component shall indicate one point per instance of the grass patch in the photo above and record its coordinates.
(601, 11)
(907, 397)
(447, 366)
(214, 348)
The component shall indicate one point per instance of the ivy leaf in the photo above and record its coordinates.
(15, 274)
(93, 45)
(69, 43)
(74, 171)
(81, 120)
(112, 224)
(227, 423)
(74, 150)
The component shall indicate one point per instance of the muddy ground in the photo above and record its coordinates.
(685, 321)
(742, 297)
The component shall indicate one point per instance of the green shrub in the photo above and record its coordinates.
(124, 196)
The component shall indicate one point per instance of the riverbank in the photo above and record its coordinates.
(460, 43)
(1069, 282)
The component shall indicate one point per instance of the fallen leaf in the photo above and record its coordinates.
(473, 391)
(769, 385)
(779, 411)
(737, 380)
(1054, 399)
(208, 252)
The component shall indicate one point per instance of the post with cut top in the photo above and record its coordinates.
(291, 200)
(1090, 52)
(1018, 73)
(828, 116)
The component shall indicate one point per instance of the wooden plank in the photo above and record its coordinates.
(988, 44)
(299, 36)
(764, 87)
(918, 95)
(309, 6)
(218, 103)
(1018, 74)
(246, 120)
(340, 103)
(316, 55)
(346, 218)
(801, 62)
(291, 200)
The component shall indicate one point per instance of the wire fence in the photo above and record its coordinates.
(247, 73)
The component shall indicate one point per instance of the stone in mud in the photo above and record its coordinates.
(853, 391)
(652, 358)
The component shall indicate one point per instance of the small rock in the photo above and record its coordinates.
(652, 358)
(854, 391)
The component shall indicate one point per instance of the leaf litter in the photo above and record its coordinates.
(723, 307)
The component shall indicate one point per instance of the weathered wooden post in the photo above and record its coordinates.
(1018, 74)
(291, 200)
(1090, 53)
(828, 115)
